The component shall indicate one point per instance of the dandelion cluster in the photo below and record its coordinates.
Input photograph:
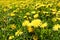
(30, 20)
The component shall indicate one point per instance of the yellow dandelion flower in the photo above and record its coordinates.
(55, 27)
(9, 6)
(17, 5)
(25, 16)
(42, 4)
(11, 37)
(58, 14)
(58, 18)
(36, 22)
(30, 18)
(54, 19)
(36, 16)
(44, 12)
(19, 16)
(29, 25)
(49, 5)
(33, 12)
(44, 25)
(54, 10)
(27, 13)
(19, 32)
(13, 26)
(5, 9)
(59, 27)
(39, 5)
(15, 10)
(12, 14)
(30, 29)
(58, 4)
(25, 23)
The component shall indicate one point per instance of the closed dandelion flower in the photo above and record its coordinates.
(36, 16)
(25, 17)
(13, 26)
(54, 19)
(55, 27)
(25, 23)
(19, 32)
(33, 12)
(11, 37)
(12, 14)
(36, 22)
(27, 13)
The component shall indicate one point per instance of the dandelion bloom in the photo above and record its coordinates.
(55, 27)
(36, 22)
(36, 16)
(11, 37)
(13, 26)
(18, 33)
(30, 29)
(25, 23)
(44, 25)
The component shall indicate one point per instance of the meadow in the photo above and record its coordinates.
(30, 20)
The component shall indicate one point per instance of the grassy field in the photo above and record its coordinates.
(30, 20)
